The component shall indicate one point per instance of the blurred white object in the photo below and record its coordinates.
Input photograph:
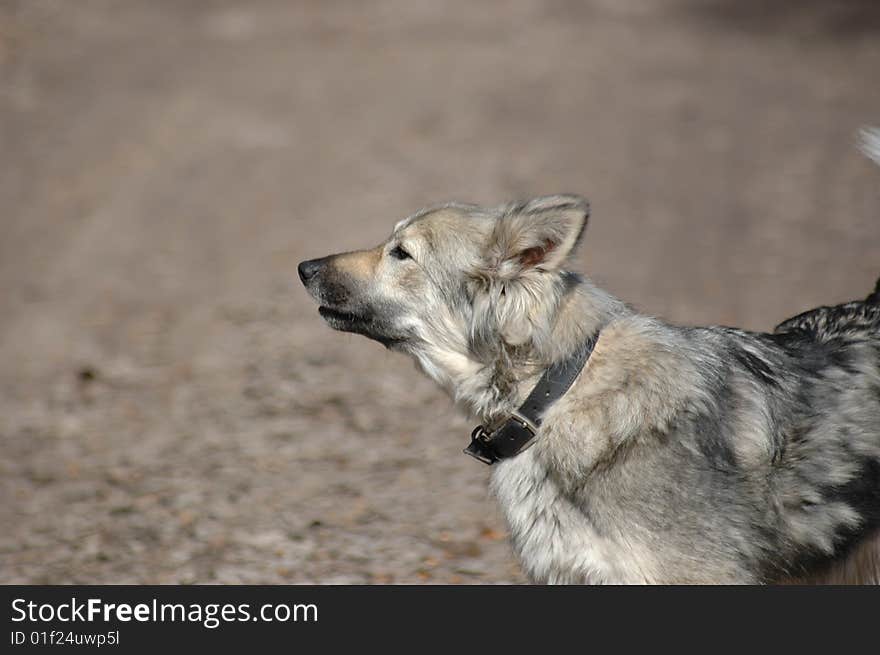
(870, 143)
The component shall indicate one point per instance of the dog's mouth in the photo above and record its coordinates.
(338, 317)
(365, 324)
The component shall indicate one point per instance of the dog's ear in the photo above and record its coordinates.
(538, 234)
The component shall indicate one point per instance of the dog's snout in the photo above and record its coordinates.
(308, 269)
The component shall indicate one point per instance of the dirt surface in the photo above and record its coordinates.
(172, 409)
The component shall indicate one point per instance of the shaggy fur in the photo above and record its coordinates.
(680, 454)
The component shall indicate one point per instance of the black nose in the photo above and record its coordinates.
(308, 269)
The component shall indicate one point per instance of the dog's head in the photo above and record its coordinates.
(454, 282)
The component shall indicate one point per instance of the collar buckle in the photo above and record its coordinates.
(479, 446)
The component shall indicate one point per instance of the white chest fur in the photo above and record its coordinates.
(553, 538)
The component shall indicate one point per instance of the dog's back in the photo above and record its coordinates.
(833, 448)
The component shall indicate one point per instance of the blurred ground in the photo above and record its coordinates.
(171, 407)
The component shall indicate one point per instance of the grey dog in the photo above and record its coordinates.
(679, 454)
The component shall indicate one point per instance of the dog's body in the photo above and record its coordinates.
(679, 455)
(707, 455)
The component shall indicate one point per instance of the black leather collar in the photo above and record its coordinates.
(518, 432)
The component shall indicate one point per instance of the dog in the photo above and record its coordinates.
(673, 455)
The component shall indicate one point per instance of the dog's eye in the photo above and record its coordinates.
(399, 253)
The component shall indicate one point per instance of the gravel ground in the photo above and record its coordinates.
(172, 410)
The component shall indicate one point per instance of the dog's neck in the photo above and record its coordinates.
(490, 385)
